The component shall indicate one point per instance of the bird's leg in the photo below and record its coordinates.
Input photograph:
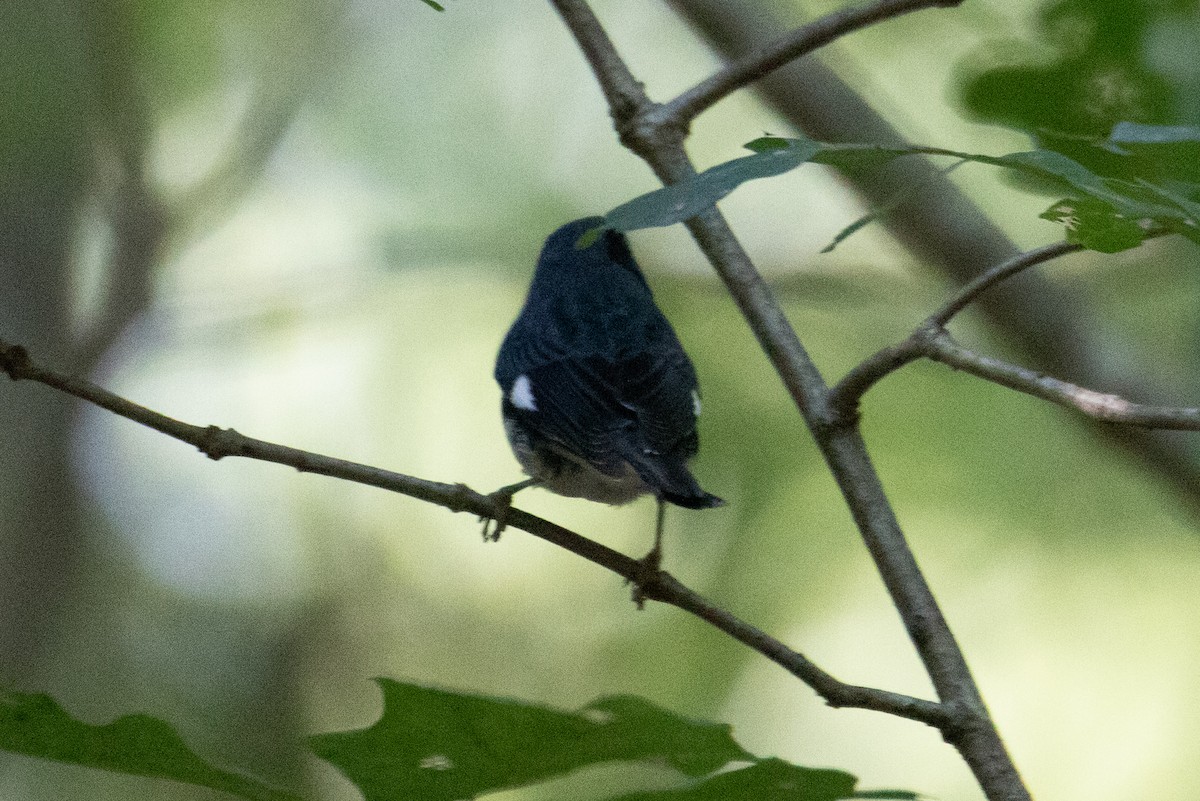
(654, 558)
(502, 502)
(648, 565)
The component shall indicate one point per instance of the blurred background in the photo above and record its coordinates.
(313, 221)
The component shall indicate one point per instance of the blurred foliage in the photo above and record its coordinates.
(1098, 63)
(35, 725)
(349, 231)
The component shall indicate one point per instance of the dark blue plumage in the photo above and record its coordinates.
(599, 398)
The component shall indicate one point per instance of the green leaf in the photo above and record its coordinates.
(1095, 225)
(439, 746)
(681, 201)
(35, 725)
(1128, 202)
(1135, 133)
(433, 5)
(768, 780)
(851, 229)
(1055, 166)
(589, 237)
(644, 731)
(1086, 67)
(1189, 209)
(765, 144)
(1161, 154)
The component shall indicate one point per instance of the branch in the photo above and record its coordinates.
(931, 340)
(1107, 408)
(946, 230)
(659, 141)
(217, 443)
(799, 42)
(1007, 269)
(623, 92)
(846, 395)
(995, 275)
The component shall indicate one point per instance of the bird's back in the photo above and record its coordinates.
(594, 378)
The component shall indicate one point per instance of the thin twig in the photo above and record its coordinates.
(931, 340)
(1105, 407)
(623, 92)
(989, 278)
(847, 393)
(793, 45)
(217, 443)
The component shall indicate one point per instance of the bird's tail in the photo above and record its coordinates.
(674, 483)
(702, 500)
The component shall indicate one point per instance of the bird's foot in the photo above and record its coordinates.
(647, 575)
(501, 500)
(492, 526)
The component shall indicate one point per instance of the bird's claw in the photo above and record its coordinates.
(501, 502)
(648, 572)
(498, 521)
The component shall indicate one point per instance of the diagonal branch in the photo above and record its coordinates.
(989, 278)
(1107, 408)
(943, 228)
(931, 340)
(847, 393)
(659, 141)
(623, 92)
(799, 42)
(217, 443)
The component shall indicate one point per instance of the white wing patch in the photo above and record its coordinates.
(521, 394)
(695, 402)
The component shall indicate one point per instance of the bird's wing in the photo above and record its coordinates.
(660, 390)
(571, 403)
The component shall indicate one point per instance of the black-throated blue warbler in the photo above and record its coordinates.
(599, 398)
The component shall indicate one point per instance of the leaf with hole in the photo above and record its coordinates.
(1096, 225)
(438, 745)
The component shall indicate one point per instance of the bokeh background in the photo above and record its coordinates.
(313, 220)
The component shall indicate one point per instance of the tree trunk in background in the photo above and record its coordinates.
(42, 130)
(940, 225)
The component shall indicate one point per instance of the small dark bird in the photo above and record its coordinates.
(600, 399)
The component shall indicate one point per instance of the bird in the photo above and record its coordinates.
(599, 398)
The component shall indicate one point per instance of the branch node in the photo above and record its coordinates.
(460, 500)
(648, 128)
(839, 418)
(626, 107)
(218, 443)
(14, 360)
(928, 332)
(649, 584)
(961, 720)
